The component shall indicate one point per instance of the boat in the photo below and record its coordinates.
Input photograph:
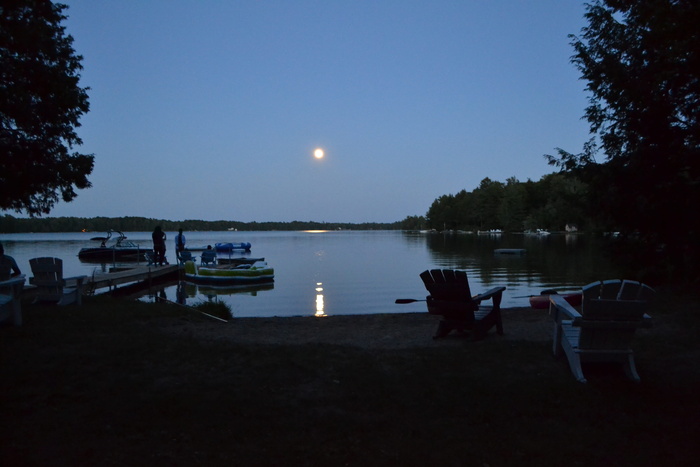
(121, 250)
(229, 247)
(237, 261)
(258, 272)
(541, 302)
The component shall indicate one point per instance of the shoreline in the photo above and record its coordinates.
(372, 331)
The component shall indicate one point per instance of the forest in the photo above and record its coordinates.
(552, 203)
(10, 224)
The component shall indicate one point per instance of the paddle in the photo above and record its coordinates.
(407, 300)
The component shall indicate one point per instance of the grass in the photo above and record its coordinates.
(101, 385)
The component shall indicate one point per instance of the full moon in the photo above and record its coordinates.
(318, 153)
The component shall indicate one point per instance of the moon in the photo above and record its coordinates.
(318, 153)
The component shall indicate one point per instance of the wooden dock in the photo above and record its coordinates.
(145, 274)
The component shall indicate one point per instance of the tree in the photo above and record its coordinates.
(640, 59)
(40, 106)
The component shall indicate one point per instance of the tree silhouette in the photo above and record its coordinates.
(641, 62)
(40, 106)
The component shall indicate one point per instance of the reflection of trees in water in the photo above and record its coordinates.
(556, 260)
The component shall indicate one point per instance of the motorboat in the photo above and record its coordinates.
(121, 250)
(258, 272)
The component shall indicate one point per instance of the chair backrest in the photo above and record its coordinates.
(47, 269)
(208, 256)
(185, 256)
(612, 311)
(48, 277)
(448, 285)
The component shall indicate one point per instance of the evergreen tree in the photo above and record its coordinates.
(641, 62)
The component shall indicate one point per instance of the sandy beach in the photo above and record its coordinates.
(395, 330)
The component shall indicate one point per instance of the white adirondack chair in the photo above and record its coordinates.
(50, 284)
(611, 312)
(10, 303)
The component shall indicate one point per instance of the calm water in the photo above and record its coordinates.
(344, 272)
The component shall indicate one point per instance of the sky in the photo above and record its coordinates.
(212, 110)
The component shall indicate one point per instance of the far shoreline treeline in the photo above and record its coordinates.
(11, 224)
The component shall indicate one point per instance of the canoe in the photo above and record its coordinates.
(541, 302)
(258, 272)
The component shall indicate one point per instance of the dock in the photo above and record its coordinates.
(145, 274)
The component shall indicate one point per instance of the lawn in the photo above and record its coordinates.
(103, 384)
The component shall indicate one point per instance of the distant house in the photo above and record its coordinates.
(571, 228)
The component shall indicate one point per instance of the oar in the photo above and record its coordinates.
(407, 300)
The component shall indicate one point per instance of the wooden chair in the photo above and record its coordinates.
(150, 257)
(51, 285)
(611, 312)
(10, 300)
(451, 298)
(185, 256)
(208, 257)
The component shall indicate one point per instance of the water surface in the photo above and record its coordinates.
(351, 272)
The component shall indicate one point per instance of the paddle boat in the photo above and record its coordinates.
(121, 250)
(258, 272)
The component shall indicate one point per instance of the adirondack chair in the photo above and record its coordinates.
(611, 312)
(150, 257)
(208, 257)
(10, 300)
(51, 285)
(451, 298)
(185, 256)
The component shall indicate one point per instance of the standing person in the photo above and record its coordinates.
(180, 241)
(10, 262)
(159, 246)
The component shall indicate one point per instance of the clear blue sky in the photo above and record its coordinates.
(212, 109)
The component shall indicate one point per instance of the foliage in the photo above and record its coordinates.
(40, 105)
(551, 203)
(10, 224)
(217, 308)
(413, 223)
(640, 60)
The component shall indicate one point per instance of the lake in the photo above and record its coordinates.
(356, 272)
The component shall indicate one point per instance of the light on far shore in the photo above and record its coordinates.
(318, 153)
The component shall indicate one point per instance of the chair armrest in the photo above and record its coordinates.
(77, 279)
(491, 293)
(13, 282)
(561, 310)
(16, 284)
(46, 282)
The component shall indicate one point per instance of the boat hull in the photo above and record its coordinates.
(111, 254)
(231, 275)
